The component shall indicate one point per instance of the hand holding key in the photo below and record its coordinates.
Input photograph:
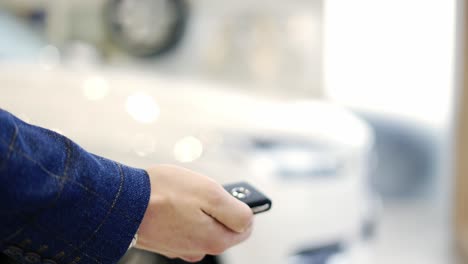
(190, 215)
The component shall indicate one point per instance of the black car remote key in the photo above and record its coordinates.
(246, 193)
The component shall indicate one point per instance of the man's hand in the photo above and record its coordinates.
(190, 215)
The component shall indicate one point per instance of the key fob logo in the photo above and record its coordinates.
(240, 192)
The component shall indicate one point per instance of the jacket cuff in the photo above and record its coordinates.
(123, 216)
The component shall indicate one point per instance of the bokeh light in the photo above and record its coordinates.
(95, 88)
(142, 107)
(188, 149)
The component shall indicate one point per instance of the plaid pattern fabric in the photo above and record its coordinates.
(62, 204)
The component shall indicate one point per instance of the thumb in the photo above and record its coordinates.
(229, 211)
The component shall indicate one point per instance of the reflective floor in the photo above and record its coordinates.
(413, 232)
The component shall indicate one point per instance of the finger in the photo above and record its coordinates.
(168, 255)
(229, 211)
(194, 258)
(240, 237)
(222, 238)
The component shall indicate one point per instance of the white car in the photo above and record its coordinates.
(309, 157)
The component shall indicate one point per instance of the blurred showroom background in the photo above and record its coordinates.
(344, 112)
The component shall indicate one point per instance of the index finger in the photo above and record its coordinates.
(229, 211)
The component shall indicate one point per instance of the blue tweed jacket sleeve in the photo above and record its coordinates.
(61, 204)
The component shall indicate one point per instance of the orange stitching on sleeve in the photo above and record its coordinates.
(42, 249)
(59, 255)
(87, 189)
(75, 260)
(109, 211)
(25, 243)
(16, 233)
(52, 203)
(57, 236)
(70, 244)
